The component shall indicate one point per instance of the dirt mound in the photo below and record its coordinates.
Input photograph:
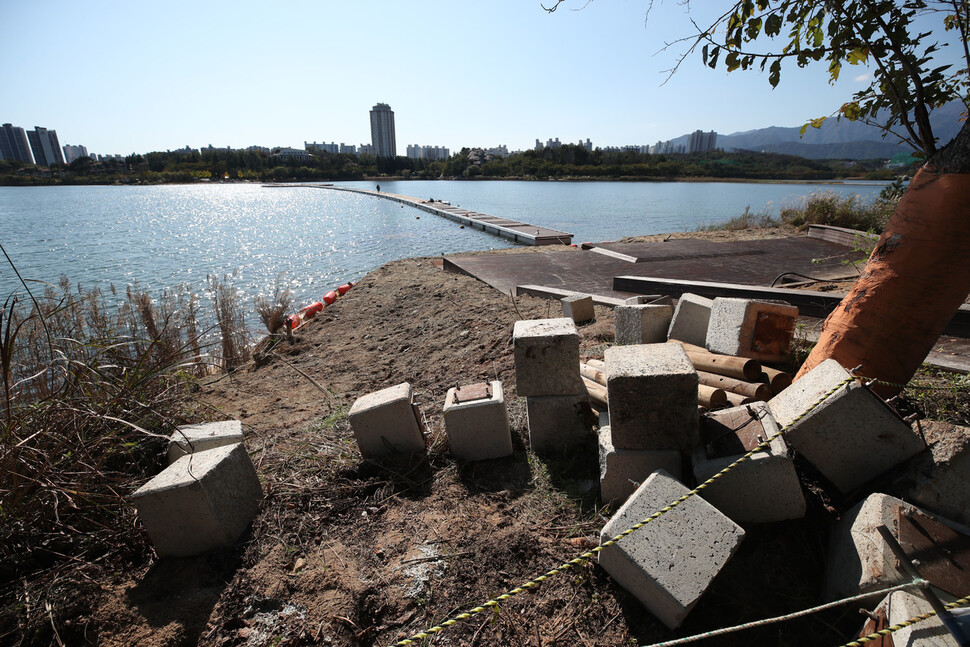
(346, 552)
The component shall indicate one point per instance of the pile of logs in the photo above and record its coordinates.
(724, 380)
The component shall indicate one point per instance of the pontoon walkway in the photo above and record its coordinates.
(519, 232)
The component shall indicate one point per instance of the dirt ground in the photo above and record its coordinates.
(348, 552)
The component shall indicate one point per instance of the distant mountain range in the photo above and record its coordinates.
(837, 139)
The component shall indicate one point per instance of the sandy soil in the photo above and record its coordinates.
(345, 552)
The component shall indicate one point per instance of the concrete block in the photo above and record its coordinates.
(670, 562)
(202, 501)
(189, 439)
(938, 479)
(477, 427)
(642, 324)
(546, 357)
(900, 606)
(746, 328)
(653, 397)
(623, 470)
(558, 423)
(578, 307)
(764, 488)
(386, 422)
(852, 436)
(690, 320)
(860, 561)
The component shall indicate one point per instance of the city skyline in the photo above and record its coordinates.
(158, 77)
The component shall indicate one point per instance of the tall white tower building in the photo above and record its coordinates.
(382, 131)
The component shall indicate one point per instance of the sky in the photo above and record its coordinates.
(123, 77)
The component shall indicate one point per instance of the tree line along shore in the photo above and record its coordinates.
(567, 162)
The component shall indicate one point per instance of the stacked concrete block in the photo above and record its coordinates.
(690, 320)
(202, 501)
(546, 357)
(189, 439)
(578, 307)
(642, 324)
(547, 373)
(653, 397)
(745, 328)
(558, 423)
(762, 489)
(846, 431)
(387, 422)
(477, 422)
(669, 563)
(900, 606)
(623, 470)
(860, 560)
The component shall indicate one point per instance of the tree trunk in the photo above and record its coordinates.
(915, 280)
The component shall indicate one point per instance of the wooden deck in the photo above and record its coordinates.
(518, 232)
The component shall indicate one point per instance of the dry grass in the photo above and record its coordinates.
(90, 393)
(272, 311)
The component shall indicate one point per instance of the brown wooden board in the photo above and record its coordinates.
(940, 553)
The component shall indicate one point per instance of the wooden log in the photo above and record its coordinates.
(736, 400)
(711, 397)
(597, 392)
(755, 390)
(595, 374)
(597, 363)
(741, 368)
(779, 380)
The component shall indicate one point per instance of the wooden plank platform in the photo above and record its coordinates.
(752, 262)
(518, 232)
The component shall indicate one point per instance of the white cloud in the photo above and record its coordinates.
(862, 78)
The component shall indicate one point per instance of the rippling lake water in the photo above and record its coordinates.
(164, 236)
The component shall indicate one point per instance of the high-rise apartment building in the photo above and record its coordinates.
(13, 144)
(47, 150)
(382, 131)
(701, 142)
(71, 153)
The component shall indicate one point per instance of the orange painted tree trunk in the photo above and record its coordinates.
(915, 280)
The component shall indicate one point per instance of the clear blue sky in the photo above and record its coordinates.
(122, 77)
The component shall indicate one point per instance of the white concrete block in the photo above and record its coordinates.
(859, 559)
(386, 422)
(669, 563)
(900, 606)
(852, 436)
(189, 439)
(642, 324)
(623, 470)
(546, 357)
(747, 328)
(653, 397)
(202, 501)
(558, 423)
(764, 488)
(690, 320)
(578, 307)
(477, 429)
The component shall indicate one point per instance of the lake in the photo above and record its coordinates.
(314, 239)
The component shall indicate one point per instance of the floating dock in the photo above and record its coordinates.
(518, 232)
